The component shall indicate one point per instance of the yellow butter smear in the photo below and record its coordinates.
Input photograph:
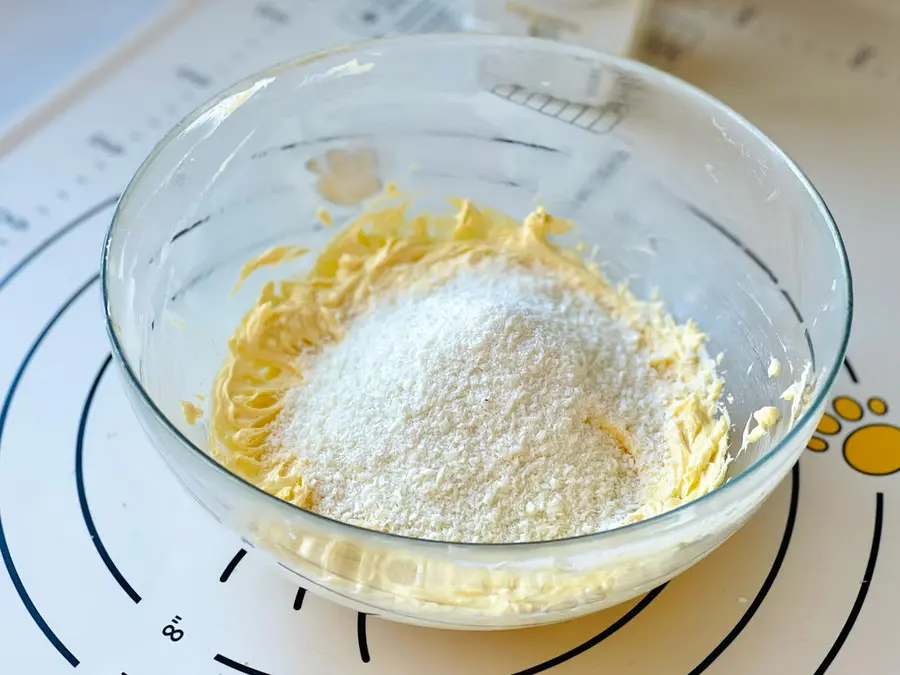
(387, 251)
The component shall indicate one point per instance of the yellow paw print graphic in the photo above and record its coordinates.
(873, 448)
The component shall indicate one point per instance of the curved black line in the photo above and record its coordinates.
(769, 580)
(597, 639)
(322, 140)
(229, 568)
(863, 588)
(234, 665)
(812, 350)
(82, 494)
(298, 599)
(7, 402)
(793, 305)
(361, 637)
(524, 144)
(193, 226)
(709, 220)
(49, 241)
(193, 281)
(850, 371)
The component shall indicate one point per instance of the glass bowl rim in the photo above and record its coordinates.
(533, 45)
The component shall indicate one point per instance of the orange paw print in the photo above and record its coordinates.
(873, 448)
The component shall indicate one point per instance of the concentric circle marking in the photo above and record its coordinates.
(4, 412)
(597, 639)
(767, 583)
(33, 255)
(82, 494)
(863, 588)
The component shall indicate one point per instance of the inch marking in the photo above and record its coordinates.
(229, 568)
(267, 11)
(53, 238)
(190, 75)
(862, 56)
(863, 588)
(169, 630)
(82, 493)
(240, 667)
(108, 146)
(850, 371)
(298, 599)
(361, 637)
(744, 16)
(10, 219)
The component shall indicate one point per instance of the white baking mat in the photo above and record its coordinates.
(110, 568)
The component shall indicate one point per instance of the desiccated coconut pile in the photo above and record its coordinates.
(492, 408)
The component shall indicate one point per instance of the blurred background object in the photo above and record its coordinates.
(44, 43)
(608, 25)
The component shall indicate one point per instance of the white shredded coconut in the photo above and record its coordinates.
(474, 411)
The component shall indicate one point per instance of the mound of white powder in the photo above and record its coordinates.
(474, 411)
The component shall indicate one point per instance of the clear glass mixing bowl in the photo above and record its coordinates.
(677, 191)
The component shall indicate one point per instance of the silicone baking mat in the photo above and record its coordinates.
(111, 568)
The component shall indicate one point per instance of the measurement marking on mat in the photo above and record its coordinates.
(229, 568)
